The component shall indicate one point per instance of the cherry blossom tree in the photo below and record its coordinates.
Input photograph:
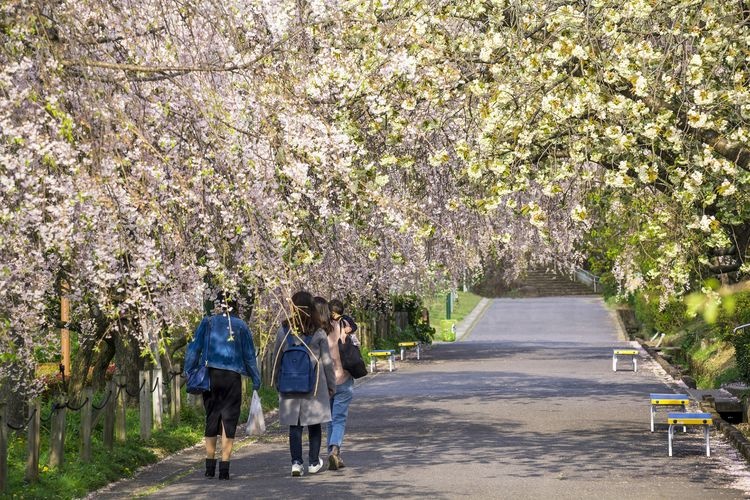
(153, 152)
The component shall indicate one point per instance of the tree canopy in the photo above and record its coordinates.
(152, 151)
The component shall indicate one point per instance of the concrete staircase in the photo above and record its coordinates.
(543, 283)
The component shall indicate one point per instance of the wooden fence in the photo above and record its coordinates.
(112, 410)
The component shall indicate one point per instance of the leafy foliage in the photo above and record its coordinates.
(151, 156)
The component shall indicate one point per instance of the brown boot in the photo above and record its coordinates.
(334, 459)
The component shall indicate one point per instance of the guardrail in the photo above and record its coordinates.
(587, 278)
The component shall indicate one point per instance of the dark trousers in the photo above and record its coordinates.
(314, 432)
(222, 404)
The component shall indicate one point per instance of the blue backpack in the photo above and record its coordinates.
(297, 373)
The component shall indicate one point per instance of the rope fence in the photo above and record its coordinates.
(125, 386)
(22, 426)
(112, 409)
(106, 400)
(73, 408)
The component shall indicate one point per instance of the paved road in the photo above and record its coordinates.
(524, 406)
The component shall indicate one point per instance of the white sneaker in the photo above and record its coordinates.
(315, 468)
(297, 470)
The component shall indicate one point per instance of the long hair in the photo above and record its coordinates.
(304, 318)
(324, 314)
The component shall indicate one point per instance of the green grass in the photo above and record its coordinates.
(712, 364)
(76, 479)
(465, 303)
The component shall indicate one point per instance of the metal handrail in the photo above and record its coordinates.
(588, 278)
(740, 327)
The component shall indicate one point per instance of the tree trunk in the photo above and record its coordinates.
(127, 358)
(103, 360)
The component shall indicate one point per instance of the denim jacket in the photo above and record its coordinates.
(237, 355)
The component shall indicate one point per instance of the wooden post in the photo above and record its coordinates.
(109, 415)
(33, 440)
(174, 403)
(64, 332)
(3, 447)
(57, 436)
(157, 397)
(120, 409)
(145, 404)
(86, 423)
(196, 400)
(266, 368)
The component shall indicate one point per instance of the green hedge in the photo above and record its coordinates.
(741, 339)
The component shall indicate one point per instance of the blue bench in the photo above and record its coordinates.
(685, 419)
(667, 400)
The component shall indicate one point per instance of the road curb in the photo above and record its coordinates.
(466, 325)
(730, 432)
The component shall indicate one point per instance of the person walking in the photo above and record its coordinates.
(336, 330)
(311, 409)
(230, 355)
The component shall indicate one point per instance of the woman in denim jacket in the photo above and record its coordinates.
(231, 354)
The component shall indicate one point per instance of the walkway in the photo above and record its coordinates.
(525, 406)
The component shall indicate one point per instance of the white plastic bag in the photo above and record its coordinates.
(256, 423)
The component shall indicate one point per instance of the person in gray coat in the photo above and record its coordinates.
(312, 409)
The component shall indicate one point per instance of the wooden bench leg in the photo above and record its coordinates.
(372, 365)
(390, 362)
(635, 364)
(402, 354)
(614, 362)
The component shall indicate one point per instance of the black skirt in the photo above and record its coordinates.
(223, 402)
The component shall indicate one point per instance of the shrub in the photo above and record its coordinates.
(741, 339)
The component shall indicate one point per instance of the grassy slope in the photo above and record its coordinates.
(465, 303)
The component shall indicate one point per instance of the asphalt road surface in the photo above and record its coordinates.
(526, 405)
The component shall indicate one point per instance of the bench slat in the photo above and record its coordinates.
(669, 399)
(382, 353)
(689, 418)
(669, 402)
(626, 352)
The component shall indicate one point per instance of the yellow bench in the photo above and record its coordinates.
(382, 353)
(631, 353)
(684, 419)
(409, 345)
(666, 400)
